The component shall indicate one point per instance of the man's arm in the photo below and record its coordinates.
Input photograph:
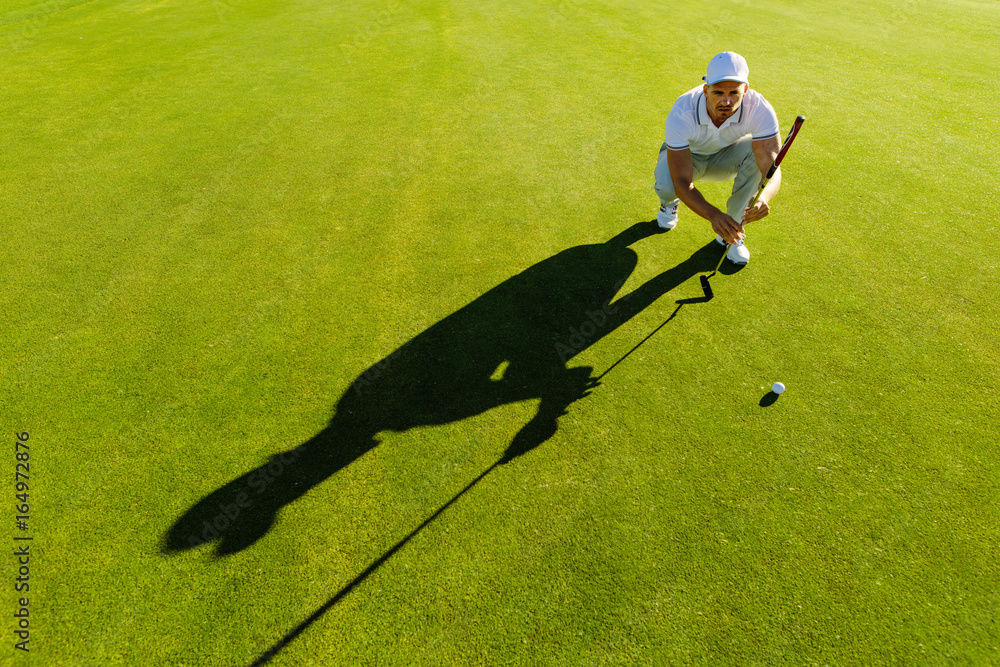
(764, 151)
(682, 174)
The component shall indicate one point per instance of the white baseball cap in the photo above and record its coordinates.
(727, 66)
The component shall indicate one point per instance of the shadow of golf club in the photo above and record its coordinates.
(680, 304)
(367, 572)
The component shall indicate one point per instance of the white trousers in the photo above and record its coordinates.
(735, 162)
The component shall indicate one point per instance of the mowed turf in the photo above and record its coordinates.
(218, 216)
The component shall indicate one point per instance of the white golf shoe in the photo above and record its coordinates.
(666, 219)
(738, 254)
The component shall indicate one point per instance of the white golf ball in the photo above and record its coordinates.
(778, 388)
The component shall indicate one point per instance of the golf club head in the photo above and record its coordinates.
(706, 288)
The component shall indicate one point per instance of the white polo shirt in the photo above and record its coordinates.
(690, 126)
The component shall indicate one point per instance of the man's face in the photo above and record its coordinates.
(724, 98)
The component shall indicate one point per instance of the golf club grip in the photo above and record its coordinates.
(788, 144)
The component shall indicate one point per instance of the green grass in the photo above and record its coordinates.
(217, 216)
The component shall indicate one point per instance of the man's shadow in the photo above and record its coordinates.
(510, 344)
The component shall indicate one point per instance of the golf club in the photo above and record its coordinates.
(706, 288)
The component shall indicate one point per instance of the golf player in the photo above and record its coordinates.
(719, 131)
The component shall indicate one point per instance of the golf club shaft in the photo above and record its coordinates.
(796, 126)
(763, 184)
